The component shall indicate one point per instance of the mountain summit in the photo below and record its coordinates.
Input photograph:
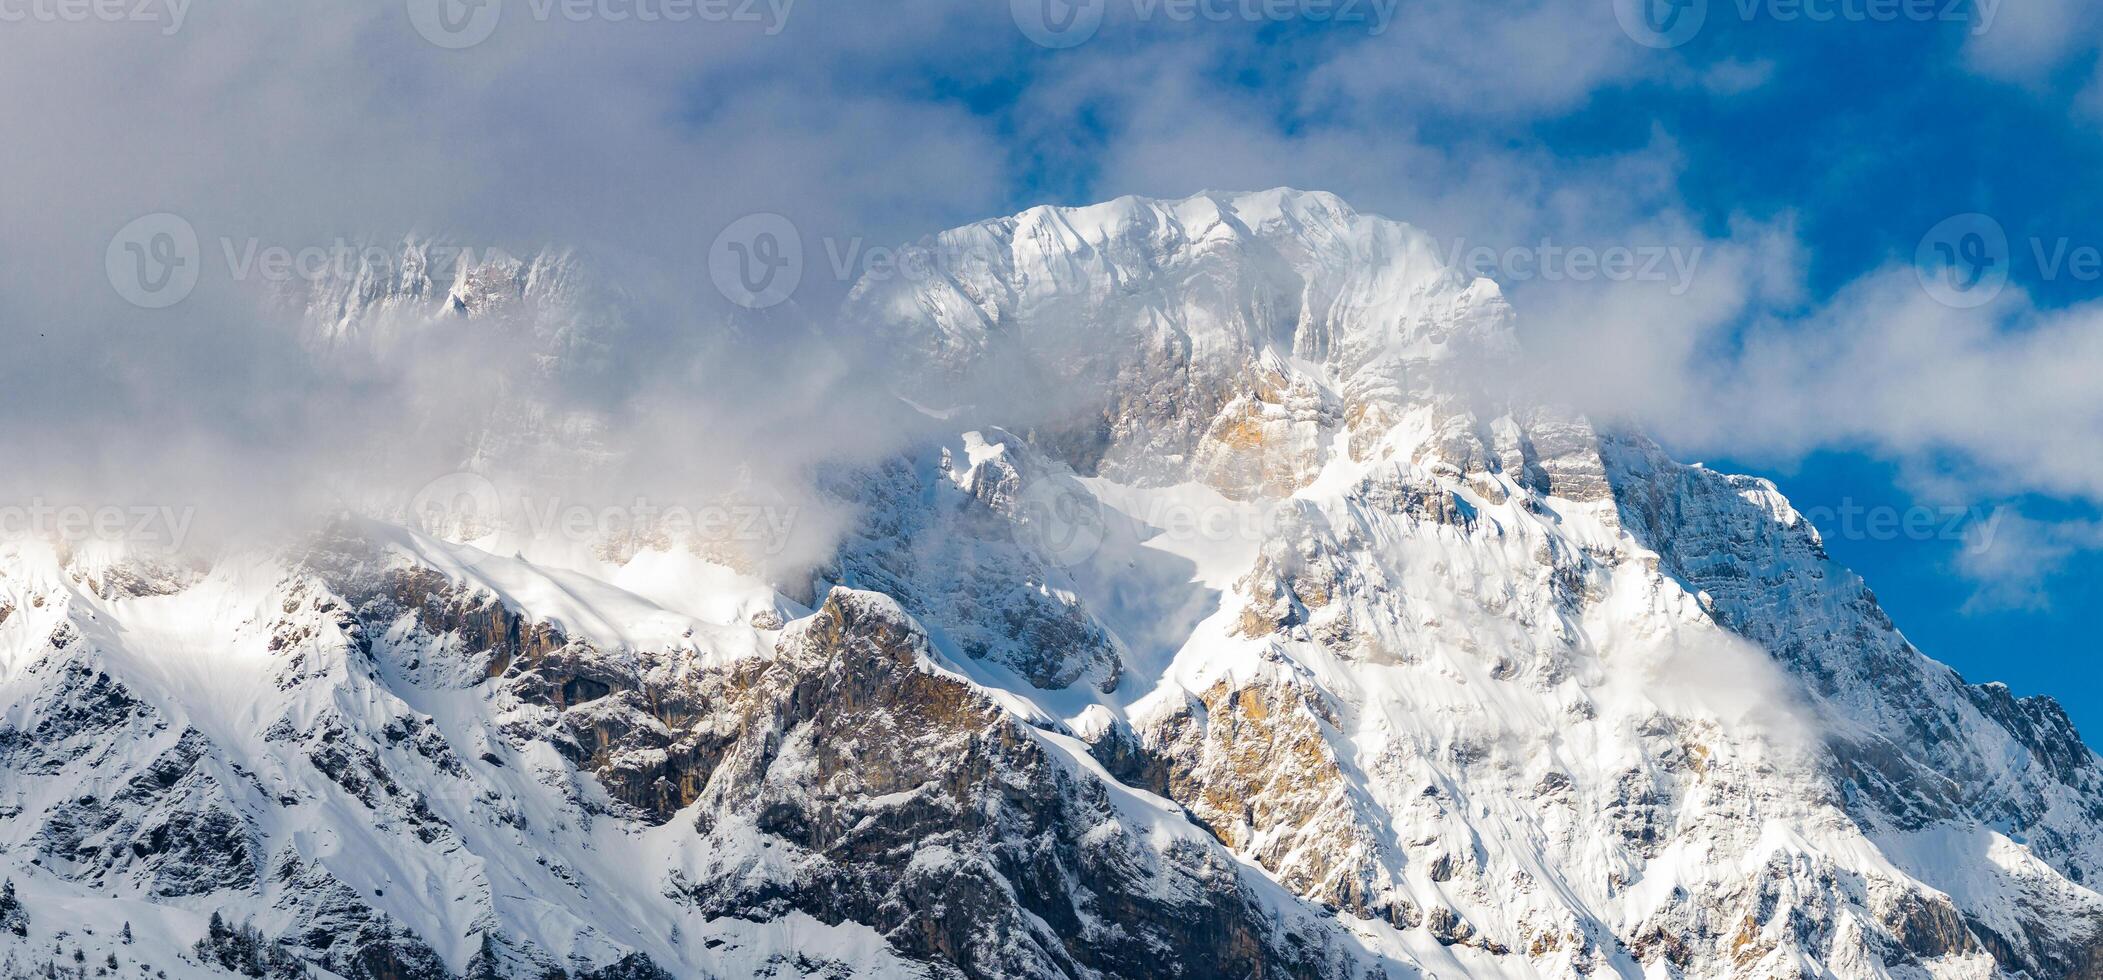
(1242, 625)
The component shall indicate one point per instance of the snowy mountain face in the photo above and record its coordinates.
(1238, 629)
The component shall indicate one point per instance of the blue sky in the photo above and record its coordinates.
(1859, 136)
(1799, 162)
(1871, 134)
(1914, 137)
(1865, 135)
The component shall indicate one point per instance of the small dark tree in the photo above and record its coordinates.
(13, 917)
(244, 951)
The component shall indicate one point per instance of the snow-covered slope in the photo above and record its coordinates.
(1239, 629)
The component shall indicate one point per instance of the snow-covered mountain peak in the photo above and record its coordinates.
(1229, 333)
(1297, 270)
(1242, 634)
(379, 299)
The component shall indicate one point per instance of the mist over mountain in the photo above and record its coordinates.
(1163, 587)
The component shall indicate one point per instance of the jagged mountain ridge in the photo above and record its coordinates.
(1468, 688)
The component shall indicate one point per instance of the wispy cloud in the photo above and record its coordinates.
(297, 124)
(2015, 560)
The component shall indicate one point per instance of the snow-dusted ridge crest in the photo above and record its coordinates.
(1240, 625)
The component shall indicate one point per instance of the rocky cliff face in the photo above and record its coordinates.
(1241, 629)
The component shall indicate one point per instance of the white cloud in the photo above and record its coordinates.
(297, 122)
(1881, 367)
(2014, 561)
(1523, 60)
(2027, 39)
